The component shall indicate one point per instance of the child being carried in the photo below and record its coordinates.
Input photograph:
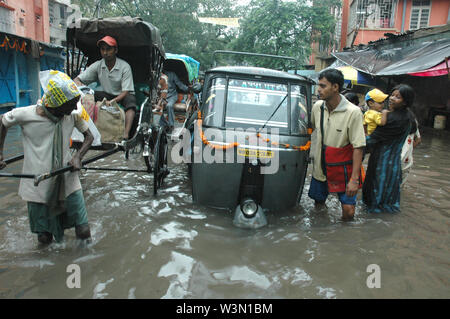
(375, 116)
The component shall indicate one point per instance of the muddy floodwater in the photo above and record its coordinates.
(165, 246)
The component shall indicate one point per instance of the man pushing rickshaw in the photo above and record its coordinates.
(57, 203)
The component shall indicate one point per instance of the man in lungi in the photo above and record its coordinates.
(56, 203)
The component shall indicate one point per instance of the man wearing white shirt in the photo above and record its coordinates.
(57, 203)
(116, 79)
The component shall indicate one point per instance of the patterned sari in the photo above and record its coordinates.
(381, 189)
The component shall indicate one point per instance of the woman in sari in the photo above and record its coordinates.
(381, 189)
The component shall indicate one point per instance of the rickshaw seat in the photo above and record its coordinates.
(140, 96)
(179, 107)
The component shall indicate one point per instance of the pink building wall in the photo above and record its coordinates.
(438, 16)
(31, 19)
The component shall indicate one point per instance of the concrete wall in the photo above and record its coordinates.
(58, 22)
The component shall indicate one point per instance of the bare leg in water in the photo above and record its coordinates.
(129, 118)
(348, 212)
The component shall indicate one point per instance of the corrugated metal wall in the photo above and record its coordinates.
(19, 71)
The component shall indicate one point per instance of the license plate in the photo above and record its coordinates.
(254, 153)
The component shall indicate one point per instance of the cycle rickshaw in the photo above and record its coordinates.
(141, 46)
(187, 70)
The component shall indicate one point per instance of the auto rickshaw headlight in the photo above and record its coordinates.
(249, 207)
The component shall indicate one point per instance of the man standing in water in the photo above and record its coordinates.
(339, 127)
(56, 203)
(116, 79)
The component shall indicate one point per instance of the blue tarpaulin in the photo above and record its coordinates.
(401, 59)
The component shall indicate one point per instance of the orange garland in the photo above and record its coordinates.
(235, 144)
(7, 45)
(205, 140)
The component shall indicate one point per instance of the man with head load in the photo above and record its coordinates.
(116, 79)
(339, 148)
(56, 203)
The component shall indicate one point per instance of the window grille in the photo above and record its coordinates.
(420, 14)
(373, 14)
(62, 11)
(7, 20)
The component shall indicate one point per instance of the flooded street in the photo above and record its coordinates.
(164, 246)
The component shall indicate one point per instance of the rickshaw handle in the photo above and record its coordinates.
(14, 159)
(39, 178)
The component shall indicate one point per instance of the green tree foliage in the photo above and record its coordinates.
(286, 28)
(276, 27)
(177, 21)
(88, 7)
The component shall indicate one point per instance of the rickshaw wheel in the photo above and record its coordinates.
(160, 170)
(149, 160)
(148, 164)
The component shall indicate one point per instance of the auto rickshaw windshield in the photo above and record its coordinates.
(255, 104)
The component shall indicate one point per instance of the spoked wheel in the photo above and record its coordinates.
(148, 163)
(149, 149)
(160, 170)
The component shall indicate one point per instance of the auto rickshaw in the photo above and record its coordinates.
(251, 139)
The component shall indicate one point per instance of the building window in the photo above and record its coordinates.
(62, 12)
(372, 14)
(6, 20)
(420, 14)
